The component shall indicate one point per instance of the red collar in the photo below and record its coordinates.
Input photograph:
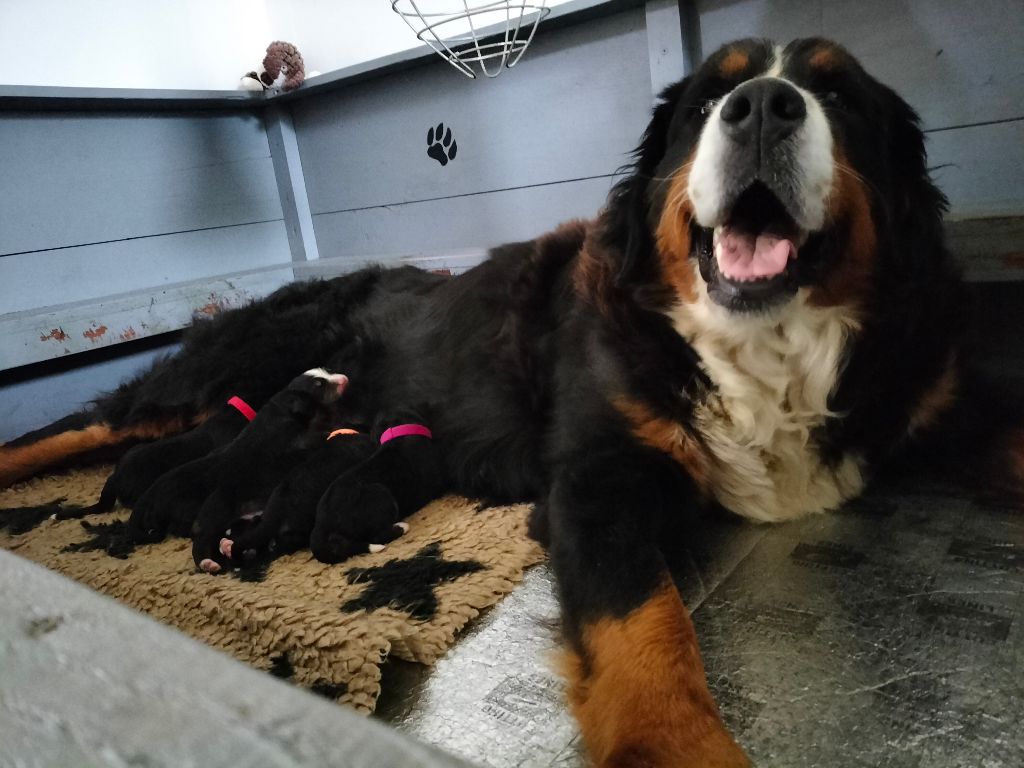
(242, 407)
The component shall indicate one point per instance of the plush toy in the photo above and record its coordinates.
(283, 70)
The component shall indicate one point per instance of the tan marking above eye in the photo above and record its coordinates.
(824, 58)
(734, 63)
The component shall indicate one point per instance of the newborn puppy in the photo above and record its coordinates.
(279, 438)
(169, 505)
(364, 509)
(140, 467)
(287, 522)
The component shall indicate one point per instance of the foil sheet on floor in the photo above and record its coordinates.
(887, 634)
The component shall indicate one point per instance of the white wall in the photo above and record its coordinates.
(186, 43)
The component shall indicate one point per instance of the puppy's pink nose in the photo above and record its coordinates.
(340, 381)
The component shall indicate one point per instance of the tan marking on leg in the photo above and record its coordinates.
(640, 694)
(668, 437)
(937, 399)
(673, 236)
(26, 460)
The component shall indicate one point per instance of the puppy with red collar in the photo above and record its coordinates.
(248, 470)
(145, 464)
(140, 467)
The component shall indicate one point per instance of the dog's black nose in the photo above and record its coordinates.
(764, 110)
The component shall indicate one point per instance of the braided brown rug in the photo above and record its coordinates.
(324, 627)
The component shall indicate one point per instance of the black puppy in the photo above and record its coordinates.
(287, 522)
(364, 509)
(170, 504)
(250, 468)
(140, 467)
(143, 465)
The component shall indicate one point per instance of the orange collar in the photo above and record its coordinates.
(337, 432)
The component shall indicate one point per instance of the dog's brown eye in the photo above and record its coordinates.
(833, 99)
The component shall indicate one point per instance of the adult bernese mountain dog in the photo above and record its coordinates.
(763, 316)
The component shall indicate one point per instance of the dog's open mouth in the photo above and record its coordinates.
(754, 252)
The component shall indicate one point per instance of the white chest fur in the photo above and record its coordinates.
(773, 378)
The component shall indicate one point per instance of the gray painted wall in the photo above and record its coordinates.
(33, 402)
(536, 146)
(96, 204)
(101, 204)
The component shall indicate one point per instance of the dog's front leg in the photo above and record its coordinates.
(636, 680)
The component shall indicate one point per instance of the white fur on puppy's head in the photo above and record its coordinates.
(339, 380)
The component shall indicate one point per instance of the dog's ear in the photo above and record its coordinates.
(627, 228)
(918, 205)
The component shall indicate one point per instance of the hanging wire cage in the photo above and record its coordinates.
(474, 35)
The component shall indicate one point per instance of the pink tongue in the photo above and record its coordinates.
(745, 257)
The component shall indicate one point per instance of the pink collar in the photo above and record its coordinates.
(403, 430)
(242, 407)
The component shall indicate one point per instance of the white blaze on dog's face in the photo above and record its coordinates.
(787, 147)
(756, 179)
(333, 384)
(761, 178)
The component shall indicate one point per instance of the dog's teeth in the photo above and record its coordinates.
(375, 548)
(403, 526)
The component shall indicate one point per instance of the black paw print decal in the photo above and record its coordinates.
(440, 145)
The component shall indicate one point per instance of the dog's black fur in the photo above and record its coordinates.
(287, 522)
(554, 371)
(169, 506)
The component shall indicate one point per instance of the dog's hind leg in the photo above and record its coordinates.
(106, 502)
(74, 439)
